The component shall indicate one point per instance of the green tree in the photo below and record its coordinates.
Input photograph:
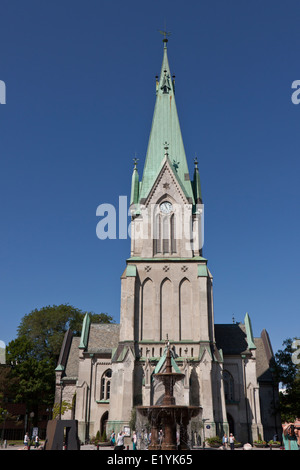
(33, 355)
(59, 409)
(47, 326)
(32, 378)
(288, 373)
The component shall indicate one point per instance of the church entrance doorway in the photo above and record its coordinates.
(103, 423)
(230, 423)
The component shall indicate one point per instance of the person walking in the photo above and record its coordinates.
(231, 441)
(27, 441)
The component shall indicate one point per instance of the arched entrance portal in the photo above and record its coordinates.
(230, 423)
(103, 422)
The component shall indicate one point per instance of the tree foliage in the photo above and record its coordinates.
(46, 327)
(33, 376)
(33, 355)
(288, 374)
(59, 409)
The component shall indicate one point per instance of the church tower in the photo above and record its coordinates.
(166, 288)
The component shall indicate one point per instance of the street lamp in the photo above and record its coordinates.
(60, 403)
(203, 421)
(245, 392)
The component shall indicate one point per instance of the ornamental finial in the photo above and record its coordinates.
(165, 34)
(135, 160)
(166, 147)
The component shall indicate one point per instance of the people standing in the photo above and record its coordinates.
(231, 441)
(36, 441)
(225, 441)
(120, 441)
(134, 440)
(177, 439)
(112, 438)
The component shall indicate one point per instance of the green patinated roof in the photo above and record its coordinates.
(135, 186)
(85, 331)
(249, 333)
(202, 270)
(165, 129)
(162, 360)
(131, 270)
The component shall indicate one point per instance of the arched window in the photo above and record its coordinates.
(164, 234)
(157, 234)
(228, 386)
(173, 234)
(105, 385)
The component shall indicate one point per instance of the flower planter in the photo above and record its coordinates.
(258, 445)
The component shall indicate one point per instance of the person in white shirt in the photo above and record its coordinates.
(120, 441)
(231, 441)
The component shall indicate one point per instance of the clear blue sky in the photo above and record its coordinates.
(80, 82)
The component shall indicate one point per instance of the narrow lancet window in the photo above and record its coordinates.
(164, 234)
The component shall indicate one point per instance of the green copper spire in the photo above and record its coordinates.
(165, 128)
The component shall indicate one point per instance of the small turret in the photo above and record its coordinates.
(134, 197)
(197, 184)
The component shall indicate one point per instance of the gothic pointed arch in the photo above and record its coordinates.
(147, 309)
(164, 228)
(166, 309)
(105, 385)
(185, 309)
(103, 423)
(228, 385)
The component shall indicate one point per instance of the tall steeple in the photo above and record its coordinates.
(165, 128)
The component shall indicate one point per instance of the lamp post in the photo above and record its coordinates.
(60, 403)
(4, 415)
(245, 392)
(203, 422)
(87, 432)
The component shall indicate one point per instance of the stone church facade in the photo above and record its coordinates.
(167, 294)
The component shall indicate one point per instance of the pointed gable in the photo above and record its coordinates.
(167, 178)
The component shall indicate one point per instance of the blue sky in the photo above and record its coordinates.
(80, 94)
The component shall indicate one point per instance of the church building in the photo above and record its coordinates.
(167, 295)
